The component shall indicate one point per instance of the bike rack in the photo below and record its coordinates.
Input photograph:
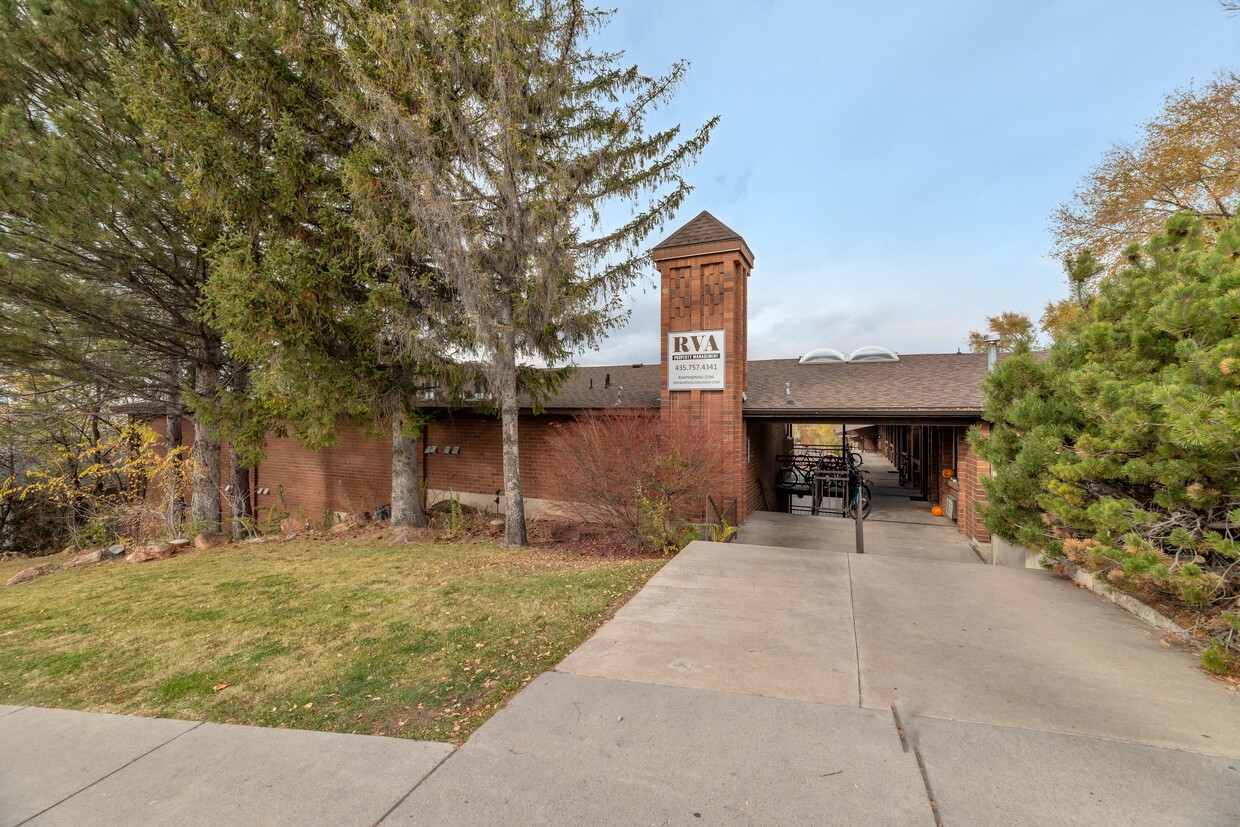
(827, 474)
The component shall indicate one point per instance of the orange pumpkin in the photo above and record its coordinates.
(937, 511)
(948, 473)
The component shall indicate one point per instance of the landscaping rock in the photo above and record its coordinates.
(70, 550)
(85, 559)
(341, 528)
(112, 552)
(209, 540)
(152, 551)
(179, 544)
(29, 574)
(294, 524)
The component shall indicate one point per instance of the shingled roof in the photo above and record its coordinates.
(703, 229)
(919, 385)
(601, 387)
(704, 234)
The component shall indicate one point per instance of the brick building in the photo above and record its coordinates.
(916, 410)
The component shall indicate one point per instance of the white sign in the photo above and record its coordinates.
(695, 361)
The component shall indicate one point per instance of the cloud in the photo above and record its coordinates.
(734, 186)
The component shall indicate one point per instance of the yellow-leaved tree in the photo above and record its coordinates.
(1186, 159)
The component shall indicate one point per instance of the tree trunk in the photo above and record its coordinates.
(240, 501)
(514, 508)
(205, 503)
(174, 410)
(407, 508)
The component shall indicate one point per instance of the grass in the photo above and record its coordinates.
(421, 640)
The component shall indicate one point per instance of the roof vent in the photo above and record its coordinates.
(873, 353)
(823, 356)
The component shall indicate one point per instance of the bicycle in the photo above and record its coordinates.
(906, 470)
(860, 495)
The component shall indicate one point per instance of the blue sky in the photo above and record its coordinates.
(893, 165)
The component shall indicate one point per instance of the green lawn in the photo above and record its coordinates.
(420, 640)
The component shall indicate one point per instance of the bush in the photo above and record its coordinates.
(1119, 447)
(99, 487)
(643, 477)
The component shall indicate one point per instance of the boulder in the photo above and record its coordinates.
(86, 558)
(151, 551)
(29, 574)
(112, 552)
(70, 550)
(294, 524)
(209, 540)
(179, 544)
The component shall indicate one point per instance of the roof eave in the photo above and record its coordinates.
(691, 250)
(860, 415)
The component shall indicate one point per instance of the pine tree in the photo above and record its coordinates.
(500, 138)
(1121, 448)
(247, 112)
(100, 273)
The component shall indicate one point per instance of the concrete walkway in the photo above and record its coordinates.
(745, 684)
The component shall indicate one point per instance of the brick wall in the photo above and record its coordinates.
(709, 291)
(355, 474)
(160, 426)
(972, 469)
(765, 442)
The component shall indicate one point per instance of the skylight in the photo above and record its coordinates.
(873, 353)
(831, 356)
(823, 355)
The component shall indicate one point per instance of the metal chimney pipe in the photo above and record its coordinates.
(992, 350)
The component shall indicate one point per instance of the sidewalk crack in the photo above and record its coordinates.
(414, 788)
(921, 764)
(109, 775)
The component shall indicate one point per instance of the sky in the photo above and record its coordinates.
(894, 165)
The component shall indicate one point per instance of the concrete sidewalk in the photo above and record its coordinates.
(745, 684)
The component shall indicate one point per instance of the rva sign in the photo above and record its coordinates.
(695, 361)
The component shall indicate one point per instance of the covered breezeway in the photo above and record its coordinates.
(904, 426)
(899, 524)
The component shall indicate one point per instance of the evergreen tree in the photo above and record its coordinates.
(1121, 448)
(100, 273)
(256, 122)
(499, 138)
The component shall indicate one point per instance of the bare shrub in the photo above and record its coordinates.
(639, 475)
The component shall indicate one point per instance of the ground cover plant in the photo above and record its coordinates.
(420, 640)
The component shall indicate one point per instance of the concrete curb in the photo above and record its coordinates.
(1124, 600)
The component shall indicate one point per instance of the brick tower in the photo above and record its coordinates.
(704, 273)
